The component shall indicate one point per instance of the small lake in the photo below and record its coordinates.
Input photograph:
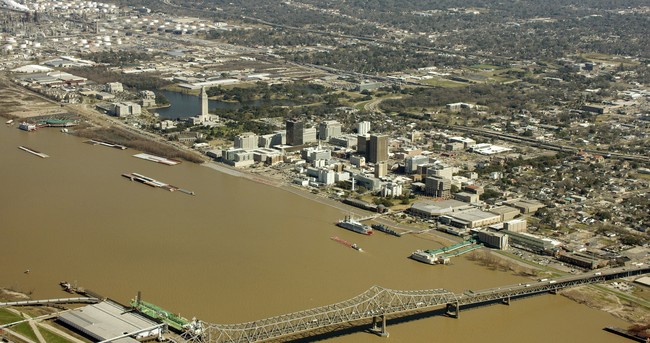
(187, 105)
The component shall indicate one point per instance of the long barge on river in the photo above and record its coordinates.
(157, 159)
(34, 152)
(154, 183)
(106, 144)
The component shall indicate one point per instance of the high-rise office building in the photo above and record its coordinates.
(378, 151)
(329, 129)
(363, 143)
(246, 140)
(295, 130)
(363, 128)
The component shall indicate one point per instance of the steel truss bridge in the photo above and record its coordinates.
(377, 303)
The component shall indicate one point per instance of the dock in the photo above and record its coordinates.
(34, 152)
(157, 159)
(106, 144)
(443, 255)
(386, 229)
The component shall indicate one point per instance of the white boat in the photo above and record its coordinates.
(9, 122)
(27, 126)
(353, 225)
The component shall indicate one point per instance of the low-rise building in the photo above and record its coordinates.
(515, 225)
(434, 209)
(466, 197)
(492, 239)
(471, 218)
(238, 157)
(506, 212)
(528, 206)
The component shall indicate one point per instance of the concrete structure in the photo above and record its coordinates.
(204, 102)
(440, 170)
(581, 260)
(312, 154)
(411, 163)
(471, 218)
(309, 135)
(108, 320)
(433, 209)
(466, 197)
(467, 142)
(381, 169)
(363, 128)
(528, 206)
(515, 225)
(363, 144)
(358, 161)
(295, 130)
(123, 109)
(531, 242)
(272, 139)
(114, 87)
(329, 129)
(370, 183)
(493, 239)
(148, 99)
(438, 187)
(204, 118)
(378, 149)
(246, 140)
(345, 141)
(506, 212)
(391, 189)
(238, 157)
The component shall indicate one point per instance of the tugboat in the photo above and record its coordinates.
(66, 286)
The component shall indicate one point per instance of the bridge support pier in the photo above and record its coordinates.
(453, 310)
(506, 301)
(376, 329)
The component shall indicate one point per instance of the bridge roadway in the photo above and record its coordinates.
(377, 303)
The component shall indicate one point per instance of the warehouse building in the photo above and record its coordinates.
(109, 320)
(470, 218)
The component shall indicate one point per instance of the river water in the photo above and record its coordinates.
(237, 251)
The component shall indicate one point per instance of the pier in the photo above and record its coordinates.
(443, 255)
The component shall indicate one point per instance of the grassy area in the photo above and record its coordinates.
(51, 337)
(444, 83)
(25, 330)
(8, 316)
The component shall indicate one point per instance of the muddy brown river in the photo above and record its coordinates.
(237, 251)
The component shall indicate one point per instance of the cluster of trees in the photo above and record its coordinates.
(119, 136)
(118, 58)
(497, 97)
(270, 37)
(373, 59)
(296, 92)
(499, 29)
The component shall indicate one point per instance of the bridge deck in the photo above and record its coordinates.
(379, 302)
